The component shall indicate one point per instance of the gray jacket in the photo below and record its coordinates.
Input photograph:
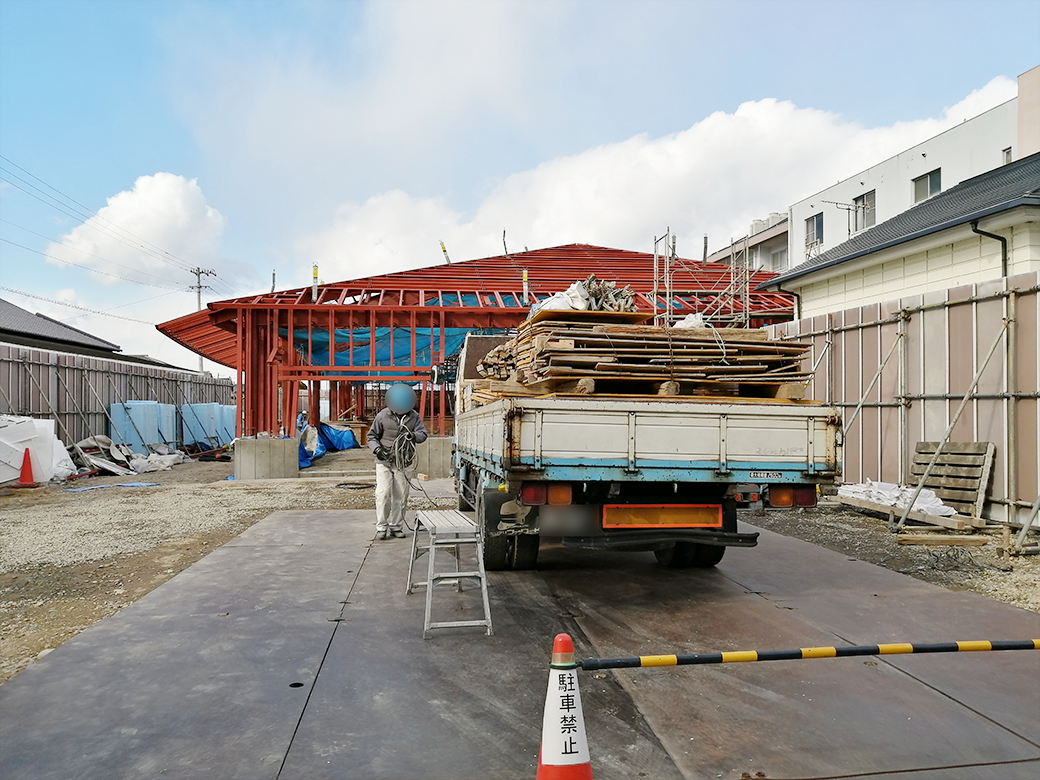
(386, 425)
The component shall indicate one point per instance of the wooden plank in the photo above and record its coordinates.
(940, 481)
(952, 460)
(958, 447)
(955, 523)
(939, 540)
(971, 472)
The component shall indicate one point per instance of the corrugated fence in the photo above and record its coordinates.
(933, 347)
(78, 391)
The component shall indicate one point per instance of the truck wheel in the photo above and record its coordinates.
(685, 555)
(707, 555)
(496, 552)
(523, 551)
(496, 543)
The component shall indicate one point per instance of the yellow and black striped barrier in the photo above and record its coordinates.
(745, 656)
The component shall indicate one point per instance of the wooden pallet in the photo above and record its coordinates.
(961, 475)
(559, 356)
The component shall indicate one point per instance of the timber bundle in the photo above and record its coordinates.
(586, 357)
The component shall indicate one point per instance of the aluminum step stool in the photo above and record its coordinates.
(448, 529)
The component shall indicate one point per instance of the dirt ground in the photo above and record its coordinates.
(67, 560)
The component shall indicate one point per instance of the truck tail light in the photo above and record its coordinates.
(560, 493)
(781, 496)
(533, 493)
(805, 495)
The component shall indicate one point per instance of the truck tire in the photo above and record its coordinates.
(496, 543)
(685, 555)
(523, 551)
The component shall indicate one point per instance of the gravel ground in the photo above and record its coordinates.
(1014, 580)
(68, 560)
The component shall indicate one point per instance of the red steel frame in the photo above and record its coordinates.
(244, 333)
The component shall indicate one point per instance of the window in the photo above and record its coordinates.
(1007, 155)
(814, 230)
(864, 210)
(927, 185)
(778, 259)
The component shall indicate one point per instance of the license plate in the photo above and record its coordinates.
(662, 516)
(765, 475)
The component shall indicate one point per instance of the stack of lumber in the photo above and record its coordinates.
(566, 356)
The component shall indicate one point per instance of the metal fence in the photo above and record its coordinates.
(77, 391)
(962, 361)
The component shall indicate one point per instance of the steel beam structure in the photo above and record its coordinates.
(396, 327)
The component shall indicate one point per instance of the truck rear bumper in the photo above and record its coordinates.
(649, 540)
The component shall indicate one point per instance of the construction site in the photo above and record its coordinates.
(634, 461)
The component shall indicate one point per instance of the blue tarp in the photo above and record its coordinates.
(335, 440)
(393, 346)
(329, 440)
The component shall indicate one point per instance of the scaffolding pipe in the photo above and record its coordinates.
(57, 418)
(1011, 405)
(1020, 539)
(949, 430)
(877, 375)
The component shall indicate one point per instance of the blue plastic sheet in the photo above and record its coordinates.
(393, 346)
(336, 440)
(306, 458)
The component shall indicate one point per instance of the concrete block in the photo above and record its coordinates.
(433, 457)
(266, 459)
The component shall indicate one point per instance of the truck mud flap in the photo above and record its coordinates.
(648, 539)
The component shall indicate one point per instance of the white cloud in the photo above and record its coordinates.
(150, 234)
(714, 178)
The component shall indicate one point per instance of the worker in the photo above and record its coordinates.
(392, 438)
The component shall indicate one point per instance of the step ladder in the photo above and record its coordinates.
(448, 530)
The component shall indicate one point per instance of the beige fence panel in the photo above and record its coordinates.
(938, 342)
(78, 390)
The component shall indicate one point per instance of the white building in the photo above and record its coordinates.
(832, 216)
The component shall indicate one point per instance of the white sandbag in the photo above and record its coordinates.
(62, 466)
(897, 497)
(695, 320)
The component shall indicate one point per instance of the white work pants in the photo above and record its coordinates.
(392, 490)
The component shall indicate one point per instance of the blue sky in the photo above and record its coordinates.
(258, 136)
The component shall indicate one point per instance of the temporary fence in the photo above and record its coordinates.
(78, 391)
(960, 365)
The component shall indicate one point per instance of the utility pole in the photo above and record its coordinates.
(198, 287)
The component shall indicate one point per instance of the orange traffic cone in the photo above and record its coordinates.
(26, 477)
(565, 750)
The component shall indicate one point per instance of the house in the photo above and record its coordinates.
(986, 227)
(1008, 132)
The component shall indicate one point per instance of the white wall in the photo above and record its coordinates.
(969, 149)
(952, 258)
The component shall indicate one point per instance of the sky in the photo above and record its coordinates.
(140, 140)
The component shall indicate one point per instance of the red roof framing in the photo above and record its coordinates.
(278, 339)
(493, 284)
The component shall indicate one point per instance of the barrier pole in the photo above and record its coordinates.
(806, 653)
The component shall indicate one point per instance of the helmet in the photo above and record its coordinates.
(400, 399)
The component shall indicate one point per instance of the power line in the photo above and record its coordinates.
(83, 308)
(157, 252)
(144, 246)
(87, 267)
(81, 251)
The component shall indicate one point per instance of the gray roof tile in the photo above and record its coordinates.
(23, 323)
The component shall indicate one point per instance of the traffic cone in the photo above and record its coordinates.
(565, 750)
(26, 478)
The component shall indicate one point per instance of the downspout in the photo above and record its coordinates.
(1003, 245)
(797, 301)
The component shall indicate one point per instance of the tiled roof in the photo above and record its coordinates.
(17, 321)
(1012, 185)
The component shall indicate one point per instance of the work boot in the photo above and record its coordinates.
(382, 534)
(397, 533)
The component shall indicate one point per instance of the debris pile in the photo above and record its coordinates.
(597, 344)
